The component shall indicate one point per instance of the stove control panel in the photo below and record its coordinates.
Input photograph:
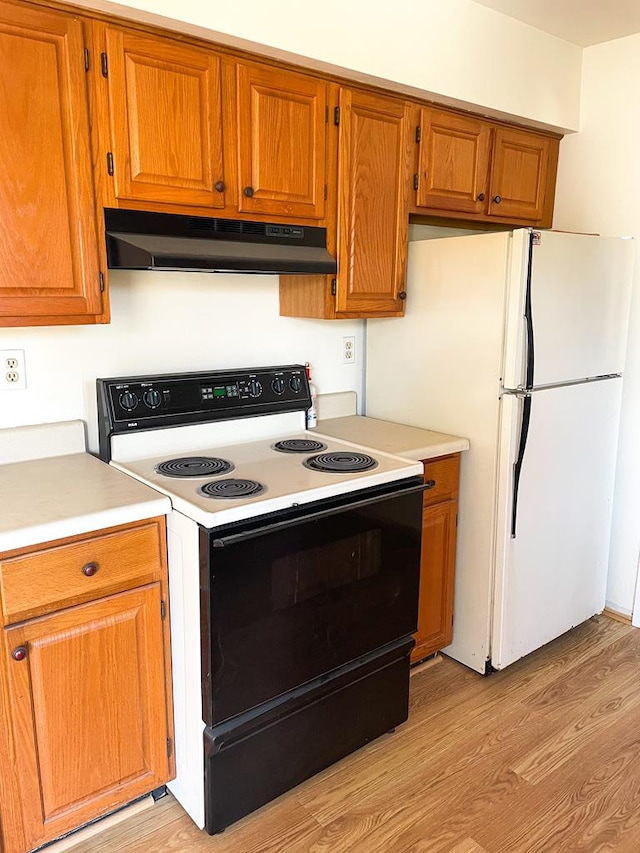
(133, 403)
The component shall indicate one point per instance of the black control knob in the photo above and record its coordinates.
(129, 400)
(295, 383)
(278, 385)
(152, 398)
(255, 388)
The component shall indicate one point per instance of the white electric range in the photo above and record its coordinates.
(293, 577)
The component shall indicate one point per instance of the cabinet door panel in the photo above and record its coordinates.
(281, 142)
(437, 569)
(166, 120)
(454, 162)
(374, 180)
(89, 710)
(519, 174)
(48, 237)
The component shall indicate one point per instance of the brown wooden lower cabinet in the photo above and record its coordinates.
(86, 694)
(438, 559)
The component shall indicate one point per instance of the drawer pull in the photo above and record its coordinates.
(430, 484)
(90, 569)
(19, 653)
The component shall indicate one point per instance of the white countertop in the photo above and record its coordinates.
(46, 499)
(408, 441)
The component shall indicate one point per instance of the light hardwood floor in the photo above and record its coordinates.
(541, 758)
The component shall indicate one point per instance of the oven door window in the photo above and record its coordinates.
(293, 604)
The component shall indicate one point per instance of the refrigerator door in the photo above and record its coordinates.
(438, 368)
(552, 574)
(580, 288)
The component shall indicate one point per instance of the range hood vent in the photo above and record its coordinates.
(139, 240)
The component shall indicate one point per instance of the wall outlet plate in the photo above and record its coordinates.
(13, 375)
(348, 349)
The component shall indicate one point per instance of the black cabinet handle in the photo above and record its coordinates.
(430, 484)
(19, 653)
(90, 569)
(497, 199)
(402, 294)
(248, 191)
(219, 186)
(481, 197)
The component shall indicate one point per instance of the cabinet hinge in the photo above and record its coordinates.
(109, 163)
(326, 192)
(104, 64)
(163, 610)
(456, 519)
(333, 286)
(86, 59)
(169, 747)
(418, 133)
(415, 181)
(101, 280)
(336, 116)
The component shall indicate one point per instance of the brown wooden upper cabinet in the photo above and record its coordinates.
(50, 270)
(165, 120)
(373, 204)
(281, 142)
(454, 162)
(372, 181)
(475, 169)
(519, 174)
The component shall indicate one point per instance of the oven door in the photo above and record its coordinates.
(290, 597)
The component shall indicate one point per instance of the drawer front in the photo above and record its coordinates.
(443, 473)
(62, 575)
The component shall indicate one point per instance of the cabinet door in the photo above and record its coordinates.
(166, 121)
(437, 570)
(49, 271)
(519, 174)
(454, 158)
(281, 142)
(374, 175)
(88, 708)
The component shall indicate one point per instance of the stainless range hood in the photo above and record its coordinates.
(139, 240)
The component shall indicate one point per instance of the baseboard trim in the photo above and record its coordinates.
(619, 617)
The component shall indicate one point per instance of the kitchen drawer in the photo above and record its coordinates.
(443, 472)
(63, 574)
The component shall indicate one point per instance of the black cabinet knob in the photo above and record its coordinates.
(19, 653)
(481, 197)
(219, 186)
(248, 191)
(430, 484)
(90, 569)
(402, 294)
(497, 199)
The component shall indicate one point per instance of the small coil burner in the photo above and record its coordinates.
(298, 445)
(341, 462)
(194, 466)
(236, 488)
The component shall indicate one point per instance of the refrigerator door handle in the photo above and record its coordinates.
(517, 465)
(528, 315)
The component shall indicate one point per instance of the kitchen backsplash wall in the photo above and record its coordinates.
(164, 322)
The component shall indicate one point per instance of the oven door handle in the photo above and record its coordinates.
(236, 538)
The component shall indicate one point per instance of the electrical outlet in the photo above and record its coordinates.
(13, 376)
(349, 350)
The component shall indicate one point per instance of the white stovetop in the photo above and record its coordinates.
(287, 480)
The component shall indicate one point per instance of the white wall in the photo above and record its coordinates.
(599, 190)
(166, 322)
(457, 50)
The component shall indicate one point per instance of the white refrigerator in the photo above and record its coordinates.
(515, 340)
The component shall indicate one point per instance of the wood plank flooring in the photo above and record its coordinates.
(541, 758)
